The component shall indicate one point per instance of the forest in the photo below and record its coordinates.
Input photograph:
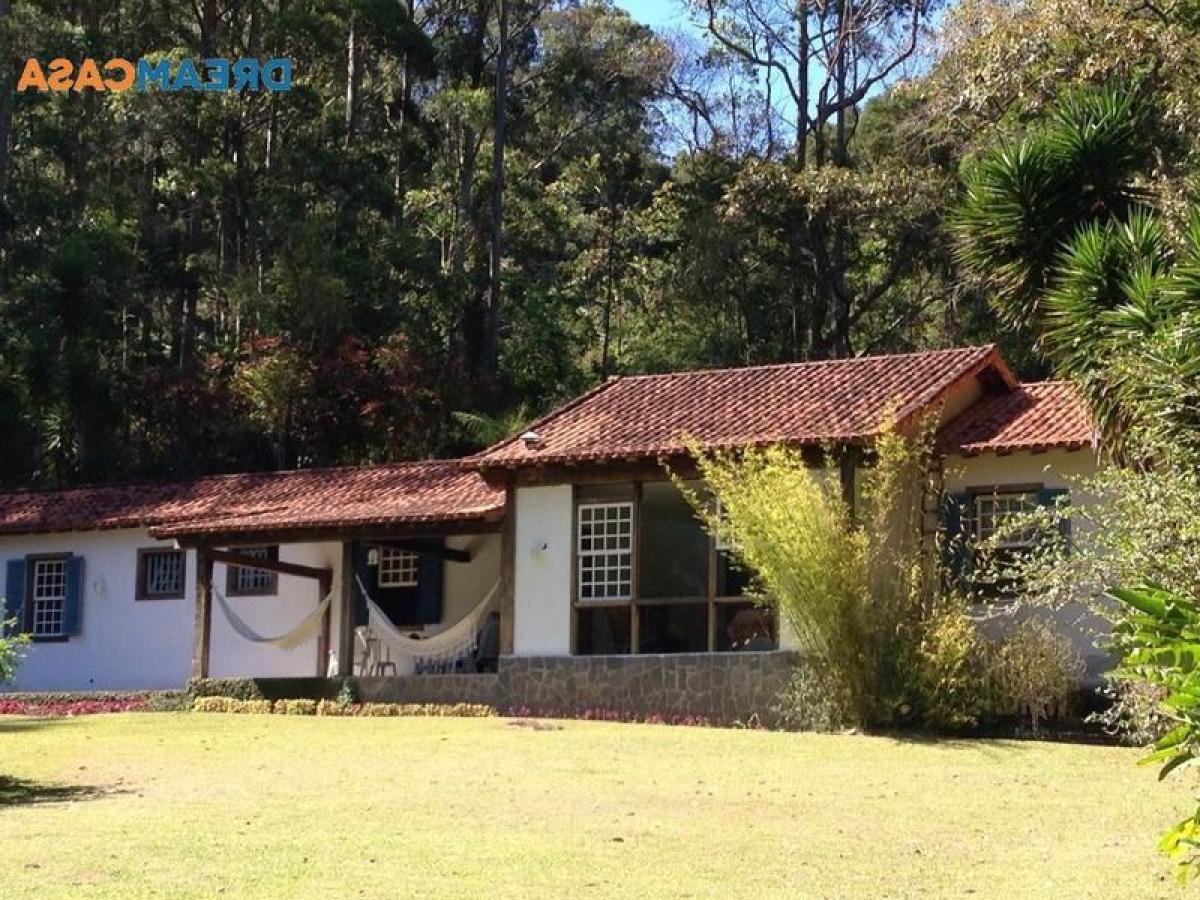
(466, 211)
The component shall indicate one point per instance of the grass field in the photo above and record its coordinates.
(185, 805)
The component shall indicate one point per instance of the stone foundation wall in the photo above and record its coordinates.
(724, 687)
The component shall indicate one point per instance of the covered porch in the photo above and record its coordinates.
(387, 572)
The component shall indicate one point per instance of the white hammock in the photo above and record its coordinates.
(296, 636)
(438, 652)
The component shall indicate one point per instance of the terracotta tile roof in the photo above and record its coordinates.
(1036, 416)
(399, 494)
(647, 416)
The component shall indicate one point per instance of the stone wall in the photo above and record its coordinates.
(724, 687)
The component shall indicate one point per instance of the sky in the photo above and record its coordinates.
(658, 14)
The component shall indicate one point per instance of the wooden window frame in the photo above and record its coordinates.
(635, 602)
(416, 568)
(1027, 489)
(143, 555)
(31, 562)
(231, 572)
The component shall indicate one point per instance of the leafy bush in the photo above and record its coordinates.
(231, 705)
(1035, 672)
(239, 688)
(347, 694)
(1158, 646)
(858, 588)
(1134, 713)
(814, 699)
(168, 701)
(296, 707)
(949, 676)
(12, 648)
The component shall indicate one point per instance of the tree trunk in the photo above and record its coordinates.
(6, 90)
(353, 78)
(492, 325)
(803, 52)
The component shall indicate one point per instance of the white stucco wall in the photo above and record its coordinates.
(1054, 469)
(123, 643)
(468, 583)
(127, 644)
(542, 571)
(232, 655)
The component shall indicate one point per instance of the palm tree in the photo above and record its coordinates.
(1059, 228)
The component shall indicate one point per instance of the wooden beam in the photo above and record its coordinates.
(270, 565)
(324, 586)
(346, 634)
(508, 562)
(490, 525)
(448, 553)
(202, 637)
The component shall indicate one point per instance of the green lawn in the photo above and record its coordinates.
(188, 805)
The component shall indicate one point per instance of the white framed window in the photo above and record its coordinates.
(48, 597)
(604, 550)
(244, 581)
(397, 568)
(160, 574)
(991, 512)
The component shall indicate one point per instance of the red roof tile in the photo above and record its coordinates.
(1036, 416)
(647, 416)
(399, 494)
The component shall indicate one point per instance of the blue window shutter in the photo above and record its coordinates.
(430, 581)
(1050, 498)
(359, 553)
(73, 609)
(955, 551)
(14, 594)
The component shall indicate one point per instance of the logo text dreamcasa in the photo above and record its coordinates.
(246, 74)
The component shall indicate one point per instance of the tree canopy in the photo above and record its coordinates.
(465, 211)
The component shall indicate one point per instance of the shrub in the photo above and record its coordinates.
(296, 707)
(348, 694)
(1134, 714)
(168, 701)
(334, 708)
(12, 649)
(948, 674)
(237, 688)
(857, 586)
(1034, 671)
(813, 700)
(231, 705)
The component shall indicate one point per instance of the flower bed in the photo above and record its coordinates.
(77, 706)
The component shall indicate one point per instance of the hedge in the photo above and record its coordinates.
(302, 707)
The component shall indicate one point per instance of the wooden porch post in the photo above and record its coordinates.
(346, 617)
(508, 562)
(202, 639)
(324, 642)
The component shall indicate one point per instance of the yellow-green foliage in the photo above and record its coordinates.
(853, 587)
(463, 710)
(1035, 671)
(296, 707)
(231, 705)
(950, 675)
(333, 708)
(788, 523)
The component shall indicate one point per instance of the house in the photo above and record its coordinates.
(568, 550)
